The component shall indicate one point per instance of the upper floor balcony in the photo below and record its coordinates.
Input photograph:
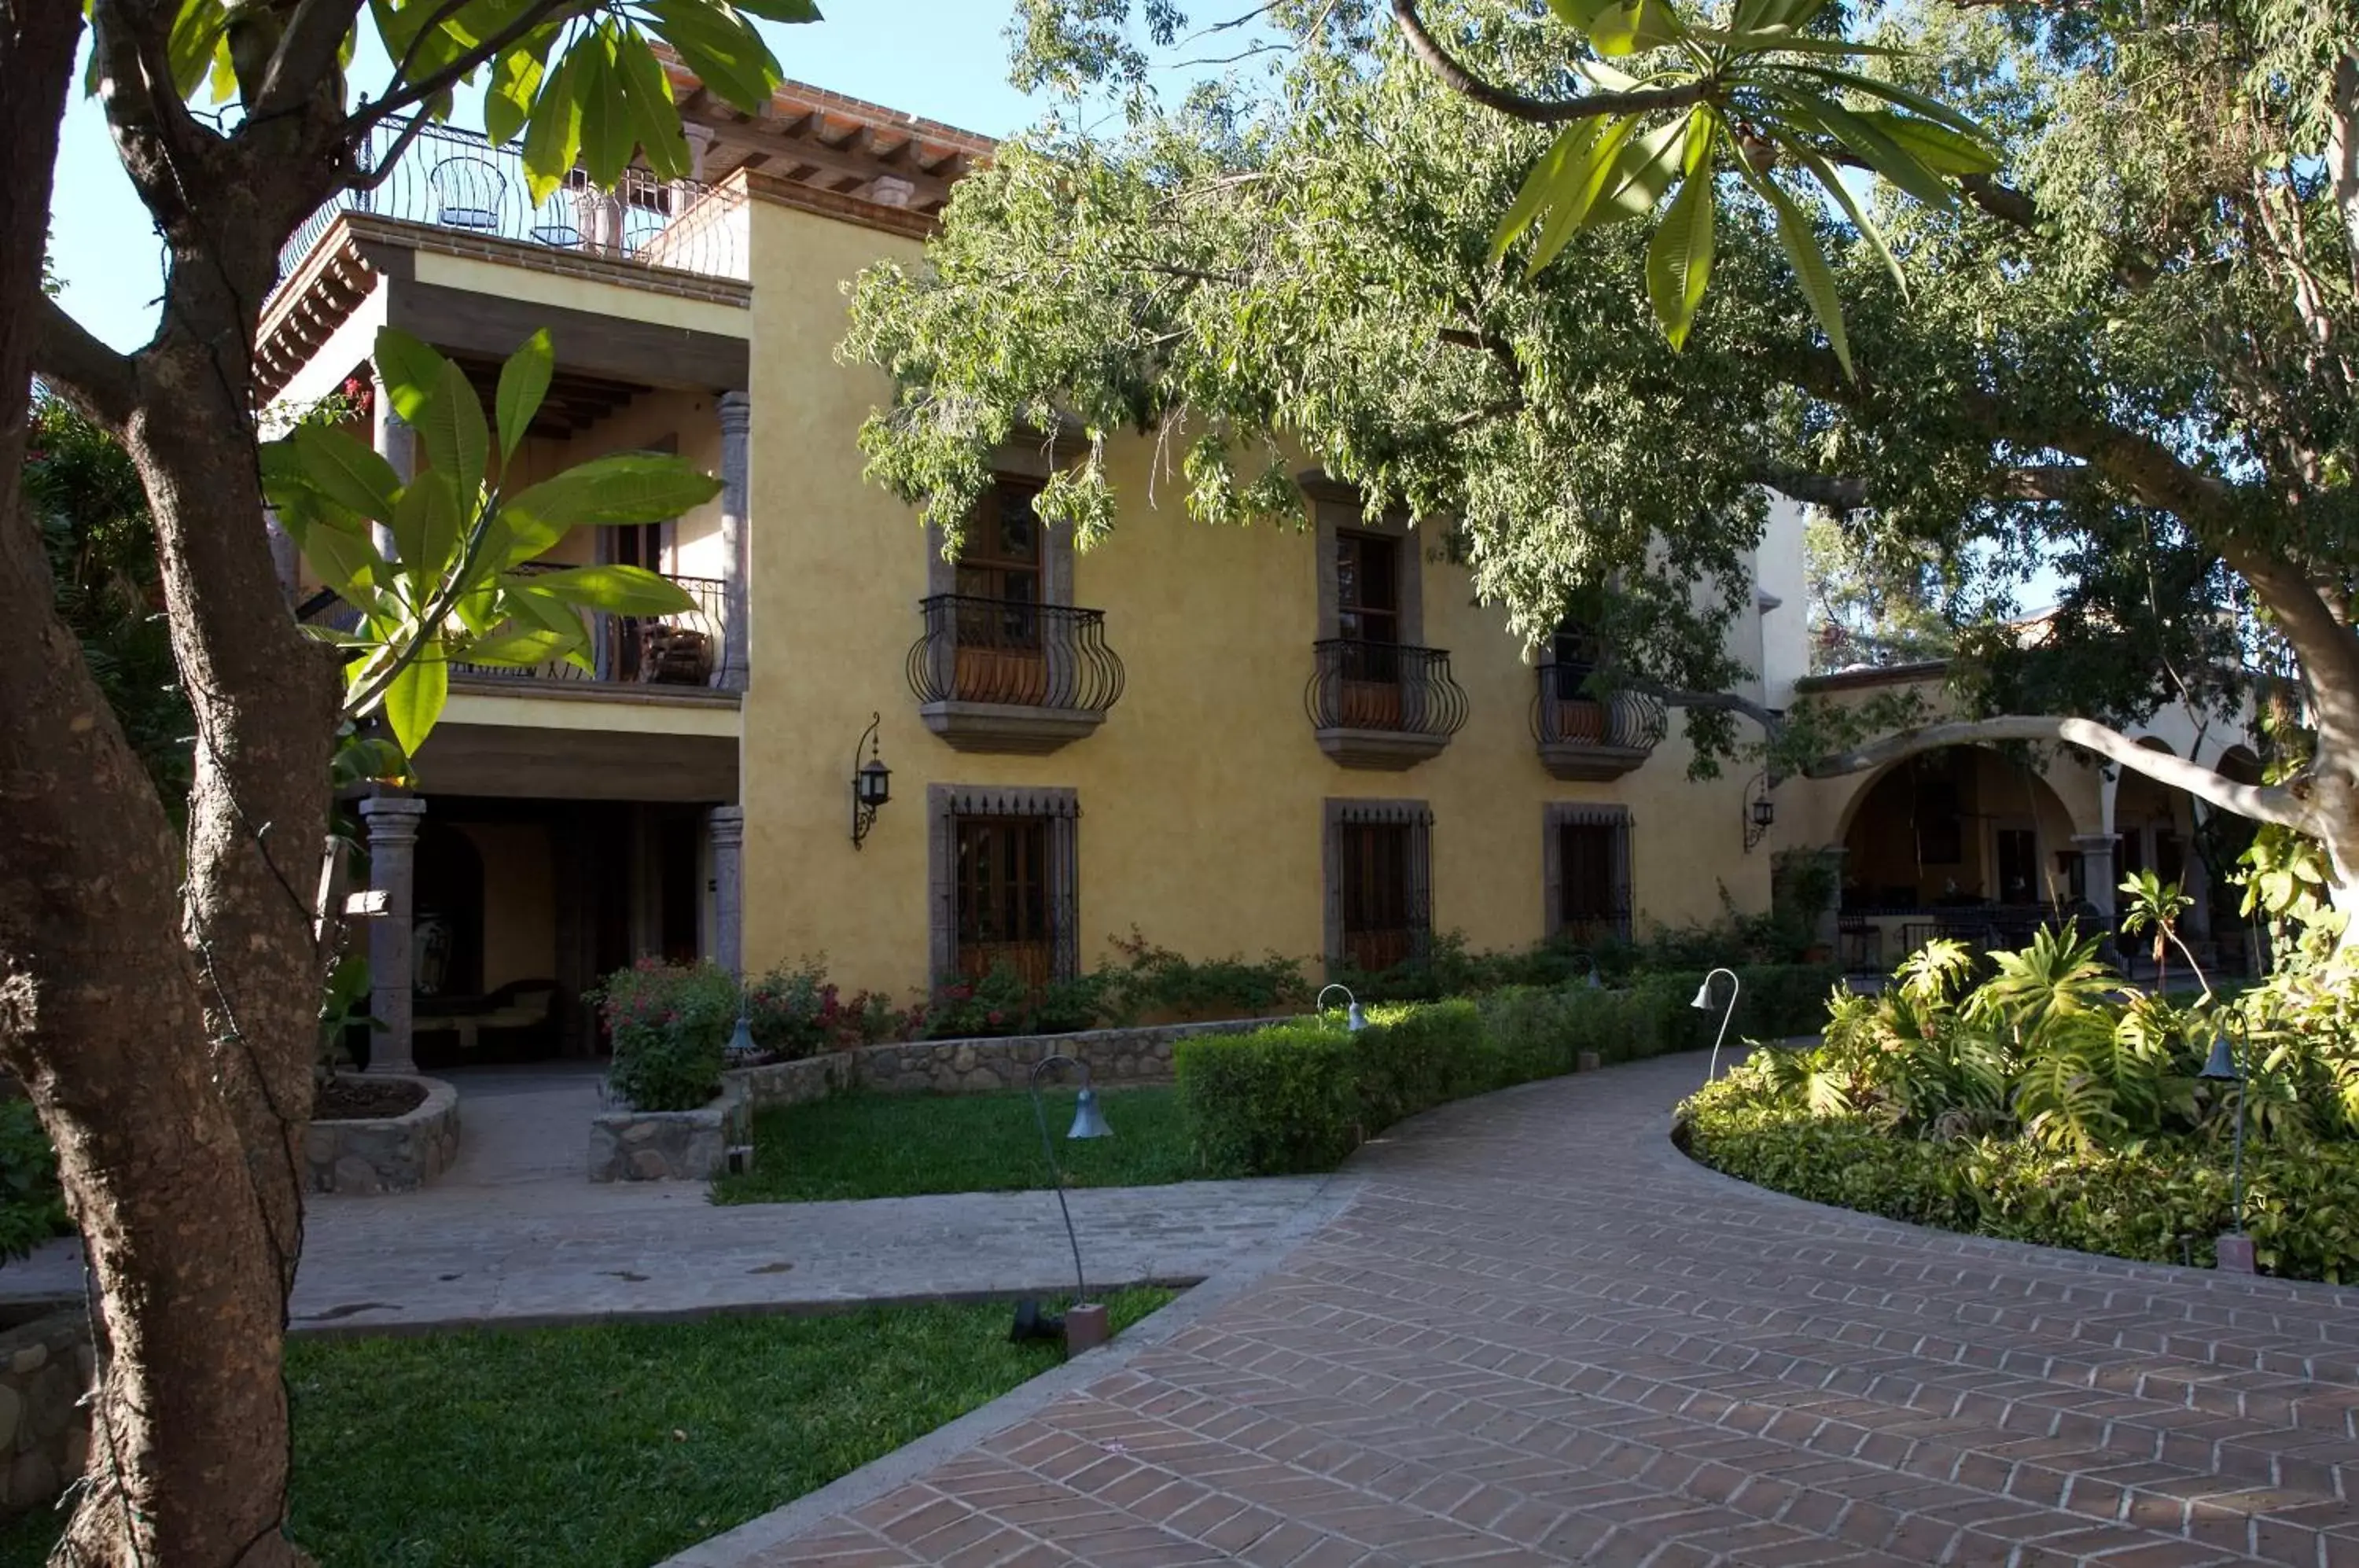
(1592, 739)
(1010, 675)
(670, 655)
(1381, 705)
(460, 182)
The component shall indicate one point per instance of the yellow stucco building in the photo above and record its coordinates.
(1311, 742)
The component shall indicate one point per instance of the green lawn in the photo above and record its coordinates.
(897, 1145)
(612, 1446)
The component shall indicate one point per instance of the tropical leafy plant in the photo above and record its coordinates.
(2156, 906)
(451, 589)
(1768, 89)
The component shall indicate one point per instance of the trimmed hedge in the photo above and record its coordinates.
(2162, 1202)
(1299, 1097)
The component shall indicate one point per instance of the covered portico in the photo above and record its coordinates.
(541, 856)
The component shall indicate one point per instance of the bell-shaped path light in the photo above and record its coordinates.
(2234, 1250)
(1702, 1004)
(1083, 1326)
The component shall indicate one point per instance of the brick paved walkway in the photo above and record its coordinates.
(1540, 1335)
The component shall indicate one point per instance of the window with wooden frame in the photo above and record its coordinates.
(1586, 851)
(999, 582)
(1004, 872)
(1368, 619)
(999, 554)
(1379, 882)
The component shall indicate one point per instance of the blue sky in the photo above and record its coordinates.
(946, 59)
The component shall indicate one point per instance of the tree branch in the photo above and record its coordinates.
(1540, 110)
(96, 379)
(2342, 157)
(307, 52)
(1835, 492)
(1772, 721)
(2262, 803)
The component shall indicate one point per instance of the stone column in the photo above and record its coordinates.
(1831, 917)
(397, 444)
(726, 827)
(2097, 873)
(392, 865)
(736, 421)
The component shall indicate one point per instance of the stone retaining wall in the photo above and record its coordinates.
(45, 1369)
(1115, 1056)
(387, 1154)
(671, 1145)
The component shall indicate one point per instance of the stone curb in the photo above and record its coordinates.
(873, 1480)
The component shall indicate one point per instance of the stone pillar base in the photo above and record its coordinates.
(2234, 1253)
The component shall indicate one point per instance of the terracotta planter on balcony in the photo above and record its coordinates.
(1002, 675)
(1371, 704)
(1581, 719)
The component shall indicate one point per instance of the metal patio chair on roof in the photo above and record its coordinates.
(468, 193)
(553, 221)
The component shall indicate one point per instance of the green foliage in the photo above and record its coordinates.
(1874, 599)
(1281, 1100)
(1000, 1002)
(83, 493)
(583, 82)
(2160, 1201)
(1300, 263)
(1156, 982)
(1300, 1095)
(2055, 1103)
(452, 590)
(1768, 89)
(32, 1207)
(668, 1025)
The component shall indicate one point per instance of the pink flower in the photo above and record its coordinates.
(996, 1017)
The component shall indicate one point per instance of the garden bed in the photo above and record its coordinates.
(354, 1097)
(615, 1445)
(397, 1153)
(2052, 1103)
(628, 1145)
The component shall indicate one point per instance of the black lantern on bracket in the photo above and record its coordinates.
(872, 783)
(1760, 810)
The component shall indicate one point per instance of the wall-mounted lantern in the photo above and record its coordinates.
(871, 782)
(1760, 810)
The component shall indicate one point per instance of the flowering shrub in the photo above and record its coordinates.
(668, 1025)
(794, 1012)
(998, 1003)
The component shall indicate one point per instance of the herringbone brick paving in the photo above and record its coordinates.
(1540, 1334)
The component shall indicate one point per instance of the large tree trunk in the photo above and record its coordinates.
(159, 1007)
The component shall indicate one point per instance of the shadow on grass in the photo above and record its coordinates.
(612, 1445)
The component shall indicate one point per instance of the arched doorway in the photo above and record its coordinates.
(1962, 842)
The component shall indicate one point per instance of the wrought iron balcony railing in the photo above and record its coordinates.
(1381, 705)
(1009, 675)
(456, 179)
(683, 649)
(1582, 737)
